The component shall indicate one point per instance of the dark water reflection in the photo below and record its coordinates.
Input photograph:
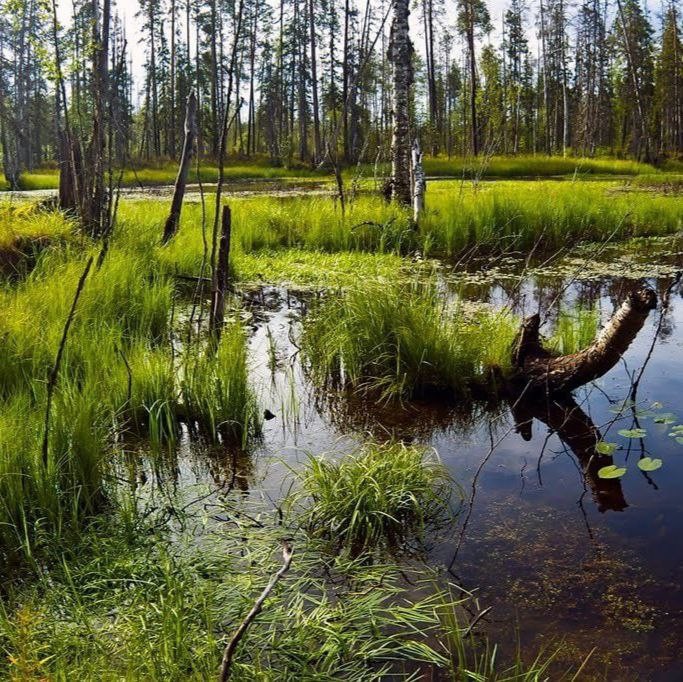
(558, 555)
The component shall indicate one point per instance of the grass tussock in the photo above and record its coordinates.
(383, 497)
(217, 397)
(404, 341)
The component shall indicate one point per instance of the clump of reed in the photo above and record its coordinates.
(574, 330)
(385, 496)
(405, 340)
(215, 389)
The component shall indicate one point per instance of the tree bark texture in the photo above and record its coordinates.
(400, 52)
(540, 371)
(173, 219)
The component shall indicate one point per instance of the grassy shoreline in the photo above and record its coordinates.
(522, 166)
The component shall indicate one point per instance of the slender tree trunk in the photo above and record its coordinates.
(317, 142)
(400, 52)
(173, 219)
(473, 88)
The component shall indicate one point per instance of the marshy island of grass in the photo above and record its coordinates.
(106, 578)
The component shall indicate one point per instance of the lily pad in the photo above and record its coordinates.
(611, 471)
(649, 464)
(656, 405)
(644, 414)
(677, 429)
(679, 440)
(632, 433)
(620, 407)
(666, 418)
(604, 448)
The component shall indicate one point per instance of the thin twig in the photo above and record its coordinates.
(287, 553)
(54, 373)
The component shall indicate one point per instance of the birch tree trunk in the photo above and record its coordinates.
(400, 51)
(538, 370)
(419, 181)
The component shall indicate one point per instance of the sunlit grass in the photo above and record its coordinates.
(163, 172)
(574, 330)
(403, 341)
(530, 166)
(24, 224)
(382, 497)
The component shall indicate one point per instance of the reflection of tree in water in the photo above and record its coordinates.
(576, 429)
(416, 420)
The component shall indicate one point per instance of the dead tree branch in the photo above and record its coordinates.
(287, 554)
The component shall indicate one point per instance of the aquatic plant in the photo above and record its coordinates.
(215, 388)
(403, 340)
(383, 496)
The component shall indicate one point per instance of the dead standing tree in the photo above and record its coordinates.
(173, 219)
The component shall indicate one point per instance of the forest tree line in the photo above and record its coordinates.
(311, 81)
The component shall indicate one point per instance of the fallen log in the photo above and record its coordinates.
(539, 371)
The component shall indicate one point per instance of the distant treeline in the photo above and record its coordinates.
(306, 81)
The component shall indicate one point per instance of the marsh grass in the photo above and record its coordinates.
(493, 217)
(529, 166)
(117, 374)
(574, 330)
(129, 602)
(404, 340)
(215, 389)
(519, 166)
(386, 496)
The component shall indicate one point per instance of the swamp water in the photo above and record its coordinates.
(555, 560)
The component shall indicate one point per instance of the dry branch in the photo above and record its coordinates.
(287, 553)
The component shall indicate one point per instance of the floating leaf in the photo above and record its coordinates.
(656, 405)
(632, 433)
(666, 418)
(679, 440)
(644, 414)
(677, 429)
(604, 448)
(611, 471)
(649, 464)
